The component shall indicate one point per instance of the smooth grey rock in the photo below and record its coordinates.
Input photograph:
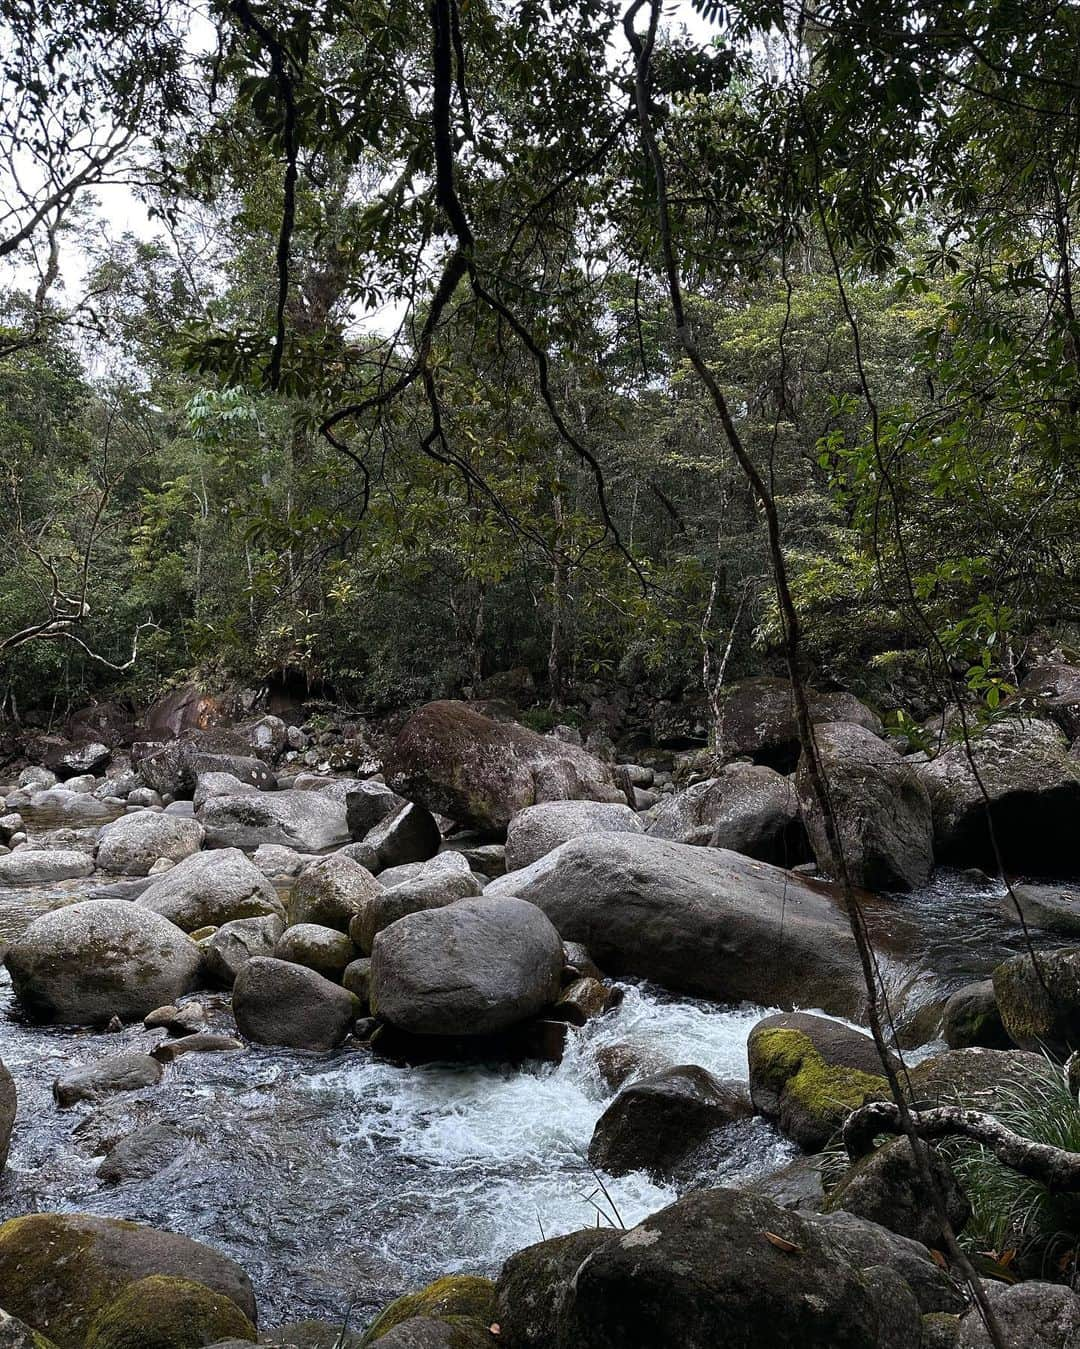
(538, 830)
(323, 949)
(331, 892)
(1031, 1315)
(114, 1073)
(37, 866)
(131, 845)
(746, 808)
(228, 950)
(442, 880)
(278, 1003)
(142, 1154)
(209, 889)
(306, 821)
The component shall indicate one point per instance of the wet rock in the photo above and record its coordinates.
(228, 950)
(142, 1154)
(58, 1269)
(322, 949)
(166, 1312)
(421, 1332)
(90, 961)
(202, 1042)
(798, 1185)
(306, 821)
(881, 806)
(538, 830)
(470, 968)
(456, 1299)
(583, 999)
(481, 772)
(442, 880)
(38, 866)
(1039, 1002)
(1054, 908)
(310, 1335)
(620, 1063)
(1033, 1315)
(655, 1123)
(331, 892)
(697, 920)
(864, 1244)
(747, 808)
(971, 1018)
(209, 889)
(807, 1073)
(357, 979)
(177, 1020)
(367, 803)
(1034, 791)
(115, 1073)
(887, 1188)
(723, 1267)
(278, 1003)
(533, 1285)
(8, 1107)
(131, 845)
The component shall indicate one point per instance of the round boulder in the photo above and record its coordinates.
(209, 889)
(538, 830)
(226, 951)
(101, 958)
(322, 949)
(971, 1017)
(888, 1188)
(442, 880)
(1033, 1315)
(278, 1003)
(132, 844)
(331, 892)
(470, 968)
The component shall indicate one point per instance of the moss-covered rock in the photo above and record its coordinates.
(887, 1188)
(168, 1313)
(15, 1334)
(1041, 1007)
(59, 1270)
(807, 1094)
(532, 1287)
(981, 1079)
(940, 1330)
(462, 1299)
(971, 1018)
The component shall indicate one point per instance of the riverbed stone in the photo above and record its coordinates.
(724, 1267)
(58, 1270)
(746, 808)
(704, 921)
(366, 803)
(538, 830)
(471, 968)
(807, 1073)
(1033, 785)
(166, 1312)
(90, 961)
(981, 1079)
(533, 1285)
(455, 1298)
(39, 866)
(220, 784)
(278, 1003)
(887, 1187)
(323, 949)
(881, 809)
(656, 1122)
(132, 844)
(228, 950)
(1054, 908)
(8, 1105)
(1039, 999)
(306, 821)
(142, 1153)
(331, 891)
(423, 1332)
(756, 718)
(971, 1017)
(409, 834)
(443, 879)
(1034, 1315)
(114, 1073)
(209, 889)
(480, 772)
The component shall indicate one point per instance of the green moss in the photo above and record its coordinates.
(38, 1251)
(16, 1334)
(788, 1062)
(168, 1313)
(462, 1300)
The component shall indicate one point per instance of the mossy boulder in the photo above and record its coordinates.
(59, 1270)
(168, 1313)
(971, 1018)
(8, 1106)
(461, 1299)
(887, 1187)
(15, 1334)
(423, 1332)
(807, 1078)
(322, 949)
(1041, 1006)
(532, 1287)
(981, 1079)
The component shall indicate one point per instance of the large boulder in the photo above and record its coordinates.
(471, 968)
(105, 1077)
(1053, 689)
(655, 1123)
(226, 951)
(58, 1270)
(101, 958)
(480, 772)
(881, 807)
(1033, 786)
(366, 803)
(16, 1334)
(456, 1300)
(8, 1105)
(724, 1267)
(757, 719)
(323, 949)
(306, 821)
(746, 808)
(807, 1073)
(408, 834)
(442, 880)
(538, 830)
(698, 920)
(37, 866)
(278, 1003)
(132, 844)
(1054, 908)
(981, 1079)
(887, 1187)
(971, 1018)
(331, 891)
(864, 1244)
(166, 1312)
(532, 1289)
(174, 766)
(211, 888)
(1033, 1315)
(1038, 998)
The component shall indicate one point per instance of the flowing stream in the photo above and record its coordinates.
(342, 1181)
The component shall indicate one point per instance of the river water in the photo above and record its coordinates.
(342, 1181)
